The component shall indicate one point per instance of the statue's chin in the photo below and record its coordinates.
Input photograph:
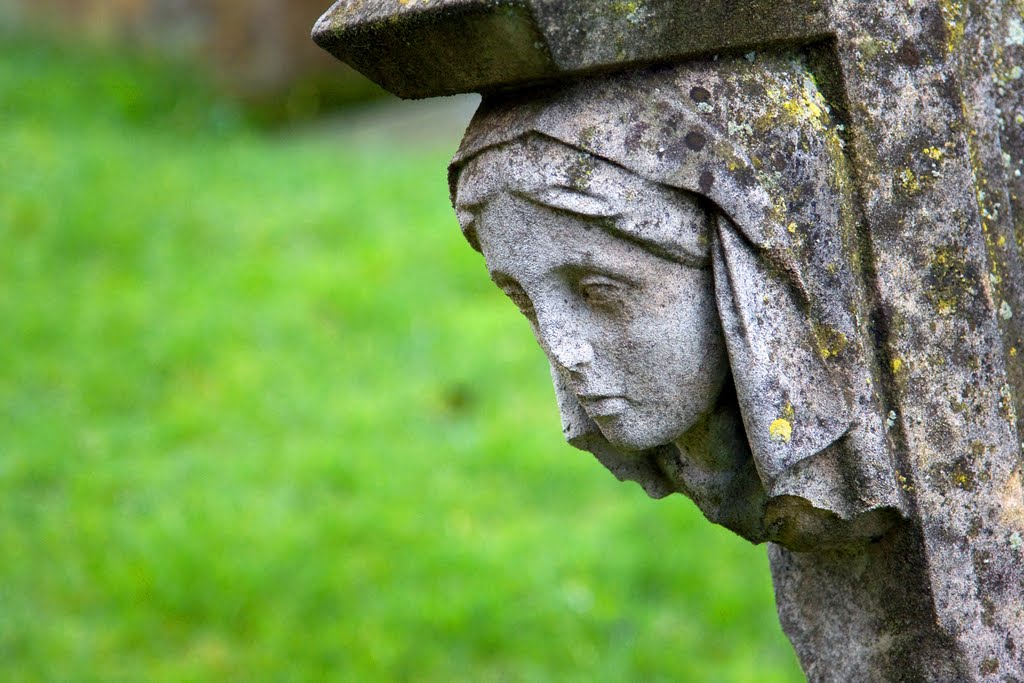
(630, 435)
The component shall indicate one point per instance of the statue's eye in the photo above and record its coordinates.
(602, 291)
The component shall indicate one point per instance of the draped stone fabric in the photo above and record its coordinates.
(759, 143)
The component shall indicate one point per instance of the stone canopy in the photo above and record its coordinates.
(426, 48)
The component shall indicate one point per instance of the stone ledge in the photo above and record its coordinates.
(427, 48)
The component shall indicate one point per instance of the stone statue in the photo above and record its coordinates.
(685, 261)
(774, 253)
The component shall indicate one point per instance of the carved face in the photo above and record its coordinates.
(612, 273)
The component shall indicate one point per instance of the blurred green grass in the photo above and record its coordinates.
(264, 418)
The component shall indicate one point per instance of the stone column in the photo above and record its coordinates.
(930, 94)
(920, 83)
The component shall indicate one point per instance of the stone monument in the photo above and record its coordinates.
(772, 251)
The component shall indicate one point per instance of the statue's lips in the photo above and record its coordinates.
(603, 406)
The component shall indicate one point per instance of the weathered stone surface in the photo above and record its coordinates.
(860, 185)
(425, 48)
(918, 155)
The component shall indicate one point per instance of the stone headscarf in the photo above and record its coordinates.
(757, 141)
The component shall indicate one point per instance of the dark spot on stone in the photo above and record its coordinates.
(635, 136)
(695, 140)
(989, 666)
(707, 179)
(699, 94)
(908, 55)
(675, 152)
(745, 176)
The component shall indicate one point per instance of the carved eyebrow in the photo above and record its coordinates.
(556, 197)
(570, 200)
(577, 202)
(573, 201)
(669, 251)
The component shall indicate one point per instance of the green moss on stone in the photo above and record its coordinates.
(950, 284)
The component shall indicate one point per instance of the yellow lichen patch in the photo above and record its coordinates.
(1013, 351)
(933, 153)
(780, 208)
(950, 283)
(804, 102)
(897, 365)
(792, 228)
(904, 482)
(909, 181)
(830, 342)
(953, 14)
(802, 107)
(781, 430)
(633, 12)
(962, 478)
